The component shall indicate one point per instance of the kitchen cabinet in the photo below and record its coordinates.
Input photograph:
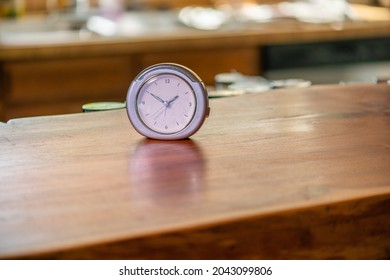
(59, 76)
(58, 86)
(63, 85)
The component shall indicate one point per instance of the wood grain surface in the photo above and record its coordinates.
(285, 174)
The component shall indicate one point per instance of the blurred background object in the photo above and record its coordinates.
(12, 8)
(347, 61)
(384, 3)
(56, 55)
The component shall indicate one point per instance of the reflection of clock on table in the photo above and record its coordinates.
(158, 168)
(167, 101)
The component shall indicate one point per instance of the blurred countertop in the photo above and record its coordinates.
(35, 37)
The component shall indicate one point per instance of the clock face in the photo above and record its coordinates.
(166, 103)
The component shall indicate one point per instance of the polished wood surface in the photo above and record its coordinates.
(292, 173)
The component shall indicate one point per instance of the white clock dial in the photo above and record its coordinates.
(166, 103)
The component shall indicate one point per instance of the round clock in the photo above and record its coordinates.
(167, 101)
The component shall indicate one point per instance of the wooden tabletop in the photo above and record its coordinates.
(285, 174)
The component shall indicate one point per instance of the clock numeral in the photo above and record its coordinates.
(166, 127)
(190, 104)
(167, 81)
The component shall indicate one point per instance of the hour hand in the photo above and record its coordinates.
(157, 97)
(173, 99)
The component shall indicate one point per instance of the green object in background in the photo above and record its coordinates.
(11, 8)
(103, 106)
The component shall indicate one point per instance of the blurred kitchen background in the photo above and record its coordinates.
(56, 55)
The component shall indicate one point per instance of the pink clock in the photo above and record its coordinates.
(167, 101)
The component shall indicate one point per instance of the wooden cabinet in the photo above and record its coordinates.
(209, 62)
(58, 77)
(60, 86)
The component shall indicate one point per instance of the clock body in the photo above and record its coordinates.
(167, 102)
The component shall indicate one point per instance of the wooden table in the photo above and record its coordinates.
(285, 174)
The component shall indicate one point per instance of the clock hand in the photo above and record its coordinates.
(166, 105)
(173, 99)
(157, 113)
(157, 97)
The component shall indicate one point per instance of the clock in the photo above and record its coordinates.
(167, 101)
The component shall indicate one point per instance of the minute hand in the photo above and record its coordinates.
(157, 97)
